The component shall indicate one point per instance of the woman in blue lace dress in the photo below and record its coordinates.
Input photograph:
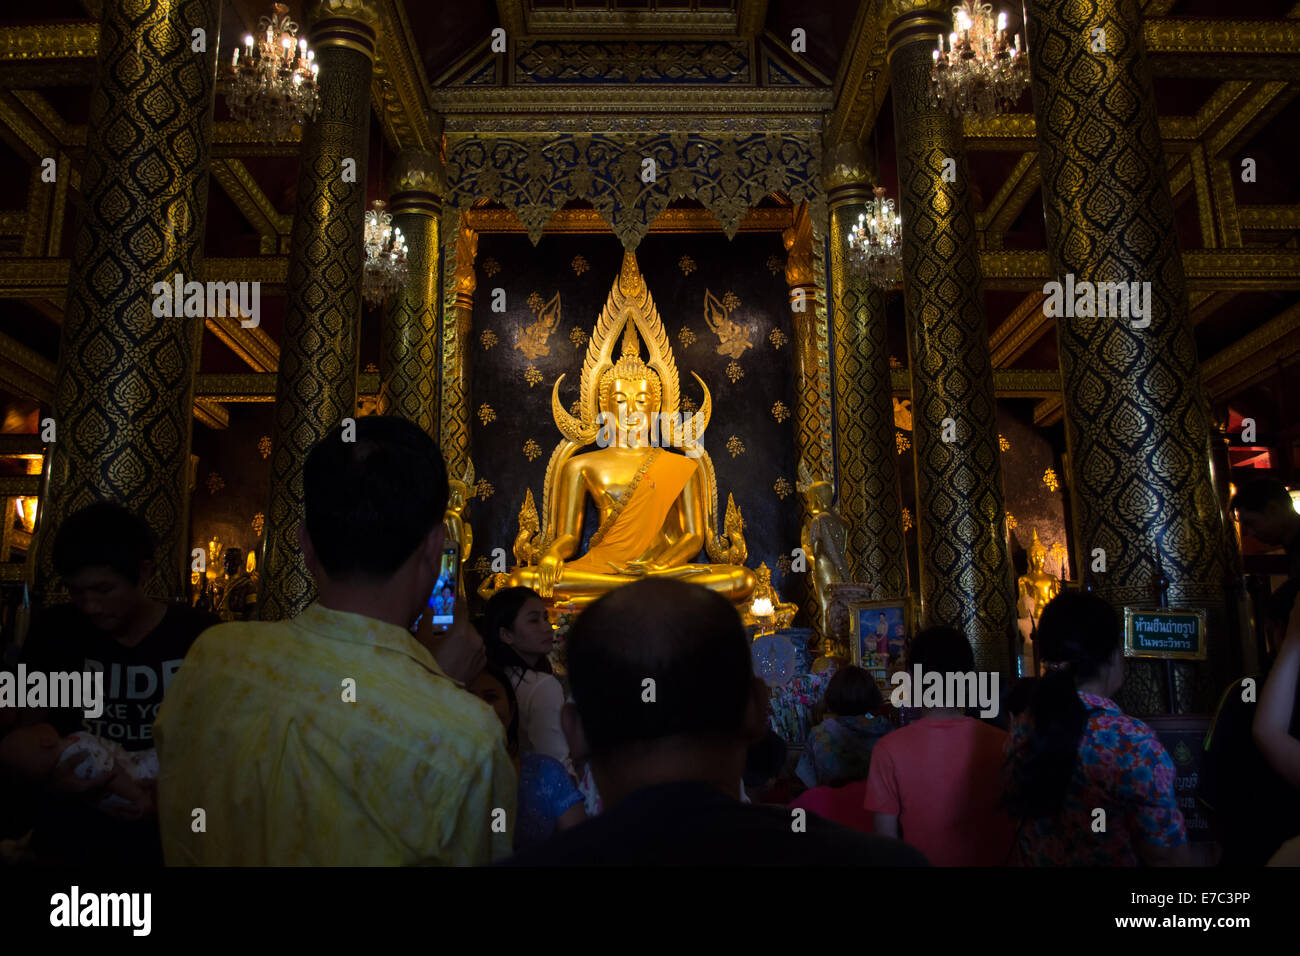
(549, 801)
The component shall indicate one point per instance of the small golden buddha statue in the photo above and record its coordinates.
(657, 506)
(459, 533)
(778, 613)
(1038, 586)
(824, 539)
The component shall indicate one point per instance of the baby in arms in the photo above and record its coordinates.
(128, 788)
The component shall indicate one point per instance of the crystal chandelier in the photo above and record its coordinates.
(876, 242)
(273, 79)
(980, 72)
(385, 269)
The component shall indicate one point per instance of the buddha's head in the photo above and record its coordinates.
(1037, 554)
(819, 496)
(458, 492)
(630, 388)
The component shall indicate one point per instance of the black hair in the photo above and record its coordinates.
(1258, 493)
(512, 729)
(368, 503)
(852, 692)
(941, 649)
(501, 610)
(1277, 609)
(104, 534)
(1080, 631)
(765, 759)
(687, 639)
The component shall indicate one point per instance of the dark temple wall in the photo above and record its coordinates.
(747, 278)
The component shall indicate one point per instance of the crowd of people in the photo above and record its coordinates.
(347, 736)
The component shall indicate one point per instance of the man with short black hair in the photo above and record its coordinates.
(1267, 513)
(337, 738)
(105, 556)
(666, 704)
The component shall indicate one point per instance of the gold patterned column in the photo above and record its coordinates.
(865, 450)
(1137, 424)
(124, 389)
(458, 318)
(409, 340)
(316, 385)
(966, 579)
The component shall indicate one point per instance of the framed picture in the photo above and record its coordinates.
(879, 632)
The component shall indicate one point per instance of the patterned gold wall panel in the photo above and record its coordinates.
(125, 381)
(966, 576)
(864, 422)
(317, 381)
(459, 249)
(1136, 420)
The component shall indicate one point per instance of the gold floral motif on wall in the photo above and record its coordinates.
(215, 482)
(733, 338)
(258, 523)
(575, 407)
(491, 267)
(1050, 479)
(578, 337)
(687, 403)
(487, 339)
(483, 565)
(780, 412)
(1003, 444)
(902, 442)
(735, 446)
(686, 264)
(774, 264)
(782, 487)
(1012, 523)
(907, 520)
(486, 414)
(264, 446)
(531, 339)
(777, 338)
(580, 265)
(483, 489)
(783, 564)
(686, 337)
(532, 449)
(532, 375)
(1058, 553)
(535, 301)
(734, 371)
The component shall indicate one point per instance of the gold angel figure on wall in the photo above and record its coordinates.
(531, 339)
(733, 339)
(459, 533)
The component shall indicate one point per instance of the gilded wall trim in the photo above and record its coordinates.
(49, 41)
(584, 221)
(728, 172)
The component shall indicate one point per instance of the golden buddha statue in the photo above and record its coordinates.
(780, 612)
(459, 533)
(824, 539)
(657, 506)
(1038, 586)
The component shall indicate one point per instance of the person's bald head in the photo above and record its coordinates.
(687, 639)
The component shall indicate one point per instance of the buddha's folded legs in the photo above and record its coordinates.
(580, 587)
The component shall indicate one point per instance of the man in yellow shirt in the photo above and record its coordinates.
(335, 738)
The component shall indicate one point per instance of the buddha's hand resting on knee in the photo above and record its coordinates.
(549, 571)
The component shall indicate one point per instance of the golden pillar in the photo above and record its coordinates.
(1137, 423)
(966, 579)
(409, 339)
(124, 389)
(458, 319)
(865, 450)
(316, 386)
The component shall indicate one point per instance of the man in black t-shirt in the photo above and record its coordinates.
(666, 706)
(1267, 513)
(105, 556)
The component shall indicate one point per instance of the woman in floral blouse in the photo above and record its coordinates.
(1073, 752)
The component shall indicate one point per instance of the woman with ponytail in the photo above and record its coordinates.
(1072, 752)
(519, 636)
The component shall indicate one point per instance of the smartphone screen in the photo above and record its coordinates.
(442, 602)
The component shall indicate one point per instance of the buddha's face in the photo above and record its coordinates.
(1036, 559)
(631, 405)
